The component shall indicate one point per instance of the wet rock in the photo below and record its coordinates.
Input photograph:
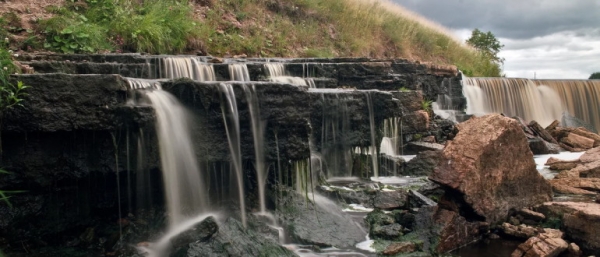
(390, 165)
(539, 146)
(203, 231)
(588, 134)
(424, 146)
(423, 164)
(580, 222)
(560, 187)
(521, 231)
(441, 230)
(404, 218)
(386, 232)
(389, 200)
(570, 121)
(490, 168)
(417, 200)
(587, 170)
(538, 130)
(320, 222)
(233, 239)
(548, 244)
(415, 122)
(400, 247)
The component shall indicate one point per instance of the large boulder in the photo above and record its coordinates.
(547, 244)
(489, 165)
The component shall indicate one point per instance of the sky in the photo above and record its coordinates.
(545, 39)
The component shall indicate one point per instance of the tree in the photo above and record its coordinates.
(487, 44)
(595, 75)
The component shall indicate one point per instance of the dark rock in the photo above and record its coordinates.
(386, 232)
(475, 169)
(417, 200)
(424, 146)
(233, 239)
(201, 232)
(570, 121)
(539, 146)
(404, 218)
(423, 164)
(389, 200)
(390, 165)
(541, 132)
(319, 222)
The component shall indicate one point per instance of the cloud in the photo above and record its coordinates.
(548, 38)
(516, 19)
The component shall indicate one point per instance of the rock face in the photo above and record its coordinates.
(490, 165)
(423, 164)
(580, 222)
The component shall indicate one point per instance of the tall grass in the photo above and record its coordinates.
(267, 28)
(152, 26)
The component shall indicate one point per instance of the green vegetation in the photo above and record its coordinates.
(257, 28)
(488, 48)
(426, 106)
(404, 89)
(595, 75)
(156, 26)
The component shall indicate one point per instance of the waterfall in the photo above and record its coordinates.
(275, 69)
(239, 72)
(391, 136)
(276, 73)
(580, 97)
(513, 97)
(184, 188)
(186, 67)
(335, 127)
(232, 128)
(258, 136)
(374, 155)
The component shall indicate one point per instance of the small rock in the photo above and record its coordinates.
(400, 247)
(389, 200)
(216, 60)
(573, 250)
(549, 244)
(522, 231)
(531, 215)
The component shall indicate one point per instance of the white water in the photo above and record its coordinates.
(186, 67)
(239, 72)
(275, 69)
(390, 143)
(541, 159)
(374, 155)
(161, 247)
(184, 187)
(232, 128)
(258, 136)
(513, 97)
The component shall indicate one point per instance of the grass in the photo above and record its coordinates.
(259, 28)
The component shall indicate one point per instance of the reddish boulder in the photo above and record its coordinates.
(490, 166)
(548, 244)
(580, 222)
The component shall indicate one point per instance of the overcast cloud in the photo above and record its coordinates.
(548, 38)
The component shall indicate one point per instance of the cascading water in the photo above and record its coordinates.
(513, 97)
(335, 126)
(239, 72)
(186, 67)
(374, 155)
(391, 137)
(258, 136)
(277, 74)
(580, 97)
(184, 187)
(232, 128)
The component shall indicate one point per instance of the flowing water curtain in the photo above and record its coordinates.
(580, 97)
(239, 72)
(186, 67)
(512, 97)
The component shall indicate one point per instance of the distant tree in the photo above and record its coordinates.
(595, 75)
(487, 44)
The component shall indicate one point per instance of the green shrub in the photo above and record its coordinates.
(153, 26)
